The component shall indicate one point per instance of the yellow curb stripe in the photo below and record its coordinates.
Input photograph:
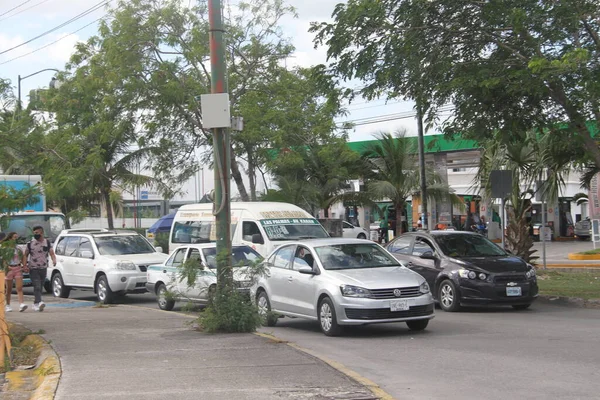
(369, 384)
(581, 266)
(577, 256)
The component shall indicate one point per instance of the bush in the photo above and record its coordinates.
(231, 312)
(162, 240)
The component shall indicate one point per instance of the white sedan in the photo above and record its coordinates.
(165, 280)
(354, 232)
(341, 282)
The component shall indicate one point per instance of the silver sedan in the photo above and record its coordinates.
(341, 282)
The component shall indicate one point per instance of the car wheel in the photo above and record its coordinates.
(164, 303)
(521, 306)
(105, 295)
(58, 287)
(48, 286)
(448, 296)
(417, 325)
(264, 309)
(361, 236)
(328, 319)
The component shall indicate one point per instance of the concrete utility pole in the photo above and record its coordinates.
(422, 165)
(221, 146)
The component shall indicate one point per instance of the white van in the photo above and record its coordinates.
(260, 225)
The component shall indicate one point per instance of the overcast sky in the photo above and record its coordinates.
(35, 17)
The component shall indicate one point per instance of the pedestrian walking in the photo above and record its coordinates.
(37, 251)
(15, 272)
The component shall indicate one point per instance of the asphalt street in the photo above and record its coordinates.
(547, 352)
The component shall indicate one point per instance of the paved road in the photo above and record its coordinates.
(547, 352)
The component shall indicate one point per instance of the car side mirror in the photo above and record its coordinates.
(306, 270)
(428, 255)
(258, 239)
(87, 254)
(159, 249)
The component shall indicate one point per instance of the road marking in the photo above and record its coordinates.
(369, 384)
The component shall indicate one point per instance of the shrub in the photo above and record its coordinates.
(229, 311)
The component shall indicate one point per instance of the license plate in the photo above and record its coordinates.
(513, 291)
(399, 305)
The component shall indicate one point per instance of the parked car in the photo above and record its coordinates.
(111, 263)
(583, 229)
(342, 282)
(465, 268)
(351, 231)
(165, 280)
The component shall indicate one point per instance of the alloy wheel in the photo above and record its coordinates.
(57, 285)
(101, 290)
(263, 306)
(447, 296)
(325, 317)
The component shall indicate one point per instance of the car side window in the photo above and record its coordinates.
(249, 228)
(177, 258)
(85, 245)
(60, 246)
(283, 258)
(347, 225)
(303, 258)
(71, 246)
(194, 254)
(422, 246)
(400, 245)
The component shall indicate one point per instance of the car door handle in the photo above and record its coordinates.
(290, 278)
(76, 262)
(410, 264)
(164, 271)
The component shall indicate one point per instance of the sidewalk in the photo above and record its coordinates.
(557, 254)
(126, 352)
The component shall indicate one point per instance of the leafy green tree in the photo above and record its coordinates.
(509, 66)
(391, 171)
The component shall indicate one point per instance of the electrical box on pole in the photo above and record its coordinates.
(215, 110)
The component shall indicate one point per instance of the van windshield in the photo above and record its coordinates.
(190, 232)
(293, 228)
(23, 224)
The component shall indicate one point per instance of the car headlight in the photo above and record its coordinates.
(531, 273)
(424, 288)
(126, 266)
(468, 274)
(355, 291)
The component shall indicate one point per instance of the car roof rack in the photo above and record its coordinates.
(85, 230)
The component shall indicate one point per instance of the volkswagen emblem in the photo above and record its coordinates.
(397, 292)
(511, 284)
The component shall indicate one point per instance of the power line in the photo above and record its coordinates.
(14, 8)
(22, 11)
(50, 44)
(388, 117)
(75, 18)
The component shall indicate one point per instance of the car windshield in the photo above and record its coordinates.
(240, 256)
(468, 246)
(354, 256)
(123, 244)
(293, 228)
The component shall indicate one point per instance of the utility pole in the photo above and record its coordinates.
(19, 79)
(422, 165)
(221, 148)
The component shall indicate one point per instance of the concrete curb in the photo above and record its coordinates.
(377, 391)
(40, 382)
(577, 302)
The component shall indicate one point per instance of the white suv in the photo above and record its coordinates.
(111, 263)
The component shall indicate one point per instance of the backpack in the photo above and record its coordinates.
(46, 247)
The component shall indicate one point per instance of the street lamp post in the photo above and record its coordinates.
(29, 76)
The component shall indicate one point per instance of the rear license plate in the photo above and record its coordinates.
(399, 305)
(513, 291)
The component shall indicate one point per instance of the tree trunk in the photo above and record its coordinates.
(326, 212)
(109, 212)
(399, 214)
(237, 177)
(252, 176)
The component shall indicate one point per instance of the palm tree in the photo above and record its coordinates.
(392, 172)
(533, 157)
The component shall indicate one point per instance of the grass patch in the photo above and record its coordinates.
(590, 252)
(21, 354)
(571, 284)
